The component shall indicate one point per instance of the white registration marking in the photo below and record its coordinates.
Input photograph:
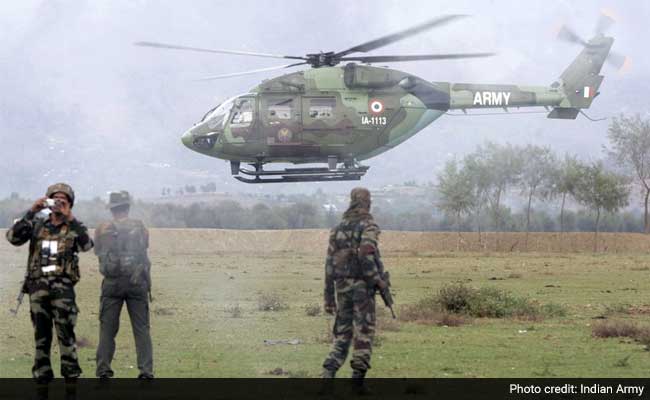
(492, 98)
(365, 120)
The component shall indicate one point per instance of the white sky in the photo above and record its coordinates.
(79, 103)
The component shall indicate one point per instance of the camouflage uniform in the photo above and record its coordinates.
(51, 293)
(121, 246)
(350, 268)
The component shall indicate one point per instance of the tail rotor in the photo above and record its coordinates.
(604, 23)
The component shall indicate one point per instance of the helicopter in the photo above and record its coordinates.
(341, 115)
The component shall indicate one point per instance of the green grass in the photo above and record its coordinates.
(207, 322)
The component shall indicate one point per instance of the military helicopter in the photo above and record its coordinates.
(341, 115)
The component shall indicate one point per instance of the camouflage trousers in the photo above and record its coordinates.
(355, 324)
(52, 302)
(116, 292)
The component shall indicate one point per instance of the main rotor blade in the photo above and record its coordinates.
(255, 71)
(385, 40)
(379, 59)
(570, 36)
(218, 51)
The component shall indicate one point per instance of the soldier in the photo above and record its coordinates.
(52, 272)
(121, 246)
(351, 269)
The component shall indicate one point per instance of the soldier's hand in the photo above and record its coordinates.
(38, 205)
(381, 284)
(64, 208)
(330, 309)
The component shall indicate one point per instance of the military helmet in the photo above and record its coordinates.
(116, 199)
(61, 188)
(360, 194)
(360, 198)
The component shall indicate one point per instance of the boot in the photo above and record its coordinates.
(359, 383)
(328, 373)
(327, 387)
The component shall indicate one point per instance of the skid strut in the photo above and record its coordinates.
(327, 174)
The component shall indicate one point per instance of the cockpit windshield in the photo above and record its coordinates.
(218, 116)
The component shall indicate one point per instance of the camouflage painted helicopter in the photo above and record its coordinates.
(343, 115)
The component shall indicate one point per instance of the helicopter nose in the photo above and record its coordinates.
(186, 138)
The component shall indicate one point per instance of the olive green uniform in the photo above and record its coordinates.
(125, 266)
(351, 278)
(52, 272)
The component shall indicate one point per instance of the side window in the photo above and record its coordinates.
(322, 107)
(280, 108)
(242, 113)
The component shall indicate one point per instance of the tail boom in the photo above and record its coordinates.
(574, 90)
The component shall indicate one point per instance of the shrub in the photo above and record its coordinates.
(234, 311)
(271, 302)
(455, 297)
(554, 310)
(491, 302)
(312, 310)
(486, 302)
(609, 329)
(428, 311)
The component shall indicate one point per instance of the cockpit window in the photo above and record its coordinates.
(241, 107)
(216, 119)
(242, 113)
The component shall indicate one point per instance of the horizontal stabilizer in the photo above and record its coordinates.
(564, 113)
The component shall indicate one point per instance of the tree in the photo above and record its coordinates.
(630, 141)
(209, 187)
(565, 178)
(601, 190)
(456, 193)
(536, 176)
(475, 168)
(504, 164)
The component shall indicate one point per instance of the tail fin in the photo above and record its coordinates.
(581, 80)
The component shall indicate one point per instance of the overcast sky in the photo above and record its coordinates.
(81, 104)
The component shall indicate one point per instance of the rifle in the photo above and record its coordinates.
(143, 270)
(385, 293)
(19, 299)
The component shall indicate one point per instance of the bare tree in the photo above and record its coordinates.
(601, 190)
(456, 193)
(503, 163)
(630, 140)
(476, 169)
(565, 177)
(536, 176)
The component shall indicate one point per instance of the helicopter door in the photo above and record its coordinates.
(324, 115)
(243, 117)
(281, 120)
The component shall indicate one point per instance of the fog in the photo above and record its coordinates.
(81, 104)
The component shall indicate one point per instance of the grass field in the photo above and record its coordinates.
(207, 285)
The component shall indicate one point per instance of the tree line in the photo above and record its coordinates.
(481, 180)
(307, 211)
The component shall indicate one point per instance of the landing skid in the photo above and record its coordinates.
(302, 175)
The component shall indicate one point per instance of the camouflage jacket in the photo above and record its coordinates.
(121, 247)
(71, 237)
(353, 246)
